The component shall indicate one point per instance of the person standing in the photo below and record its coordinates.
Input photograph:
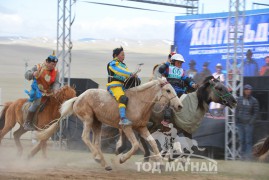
(191, 72)
(265, 68)
(246, 113)
(199, 77)
(217, 108)
(250, 65)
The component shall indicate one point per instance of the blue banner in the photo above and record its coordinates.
(203, 38)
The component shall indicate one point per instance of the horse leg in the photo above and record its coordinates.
(144, 132)
(135, 145)
(97, 129)
(8, 126)
(44, 149)
(121, 145)
(85, 137)
(36, 148)
(17, 134)
(146, 149)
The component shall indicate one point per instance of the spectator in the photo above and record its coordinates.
(246, 113)
(265, 69)
(199, 77)
(216, 108)
(250, 65)
(191, 72)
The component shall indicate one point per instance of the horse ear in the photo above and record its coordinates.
(163, 78)
(212, 82)
(74, 86)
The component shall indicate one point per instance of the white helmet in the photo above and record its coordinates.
(177, 57)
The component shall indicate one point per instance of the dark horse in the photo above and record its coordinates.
(261, 148)
(195, 105)
(13, 112)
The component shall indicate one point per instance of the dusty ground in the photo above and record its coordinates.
(89, 61)
(79, 165)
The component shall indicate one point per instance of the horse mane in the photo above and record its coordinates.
(64, 93)
(144, 86)
(202, 94)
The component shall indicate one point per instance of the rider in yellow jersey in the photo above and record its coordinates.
(117, 73)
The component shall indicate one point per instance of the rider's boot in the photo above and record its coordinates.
(123, 120)
(28, 125)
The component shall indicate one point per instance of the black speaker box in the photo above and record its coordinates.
(82, 85)
(258, 82)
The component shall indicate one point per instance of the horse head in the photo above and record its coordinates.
(218, 92)
(169, 94)
(64, 93)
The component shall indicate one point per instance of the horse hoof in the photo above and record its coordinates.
(98, 160)
(108, 168)
(121, 161)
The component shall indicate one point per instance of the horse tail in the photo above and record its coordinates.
(3, 114)
(67, 107)
(261, 147)
(66, 110)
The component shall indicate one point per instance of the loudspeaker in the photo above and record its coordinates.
(261, 130)
(263, 98)
(258, 82)
(260, 91)
(81, 84)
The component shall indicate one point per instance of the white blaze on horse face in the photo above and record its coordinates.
(173, 98)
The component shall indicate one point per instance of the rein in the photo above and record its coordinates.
(222, 97)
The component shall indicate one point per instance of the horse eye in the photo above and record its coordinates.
(168, 91)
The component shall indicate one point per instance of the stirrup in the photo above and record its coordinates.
(125, 122)
(28, 127)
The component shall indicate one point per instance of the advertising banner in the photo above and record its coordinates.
(203, 38)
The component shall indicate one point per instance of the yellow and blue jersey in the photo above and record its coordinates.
(117, 73)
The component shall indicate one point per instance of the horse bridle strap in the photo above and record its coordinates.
(163, 84)
(222, 97)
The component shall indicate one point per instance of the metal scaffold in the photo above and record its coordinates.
(64, 43)
(234, 67)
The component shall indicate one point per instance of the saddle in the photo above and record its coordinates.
(40, 108)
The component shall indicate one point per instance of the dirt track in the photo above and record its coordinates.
(79, 165)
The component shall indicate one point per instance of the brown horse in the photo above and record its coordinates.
(97, 106)
(12, 113)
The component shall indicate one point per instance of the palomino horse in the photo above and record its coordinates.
(12, 113)
(97, 106)
(195, 105)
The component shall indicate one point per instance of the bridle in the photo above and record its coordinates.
(223, 97)
(162, 85)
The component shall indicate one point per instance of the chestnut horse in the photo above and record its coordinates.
(12, 113)
(97, 106)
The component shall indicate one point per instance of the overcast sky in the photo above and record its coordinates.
(38, 18)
